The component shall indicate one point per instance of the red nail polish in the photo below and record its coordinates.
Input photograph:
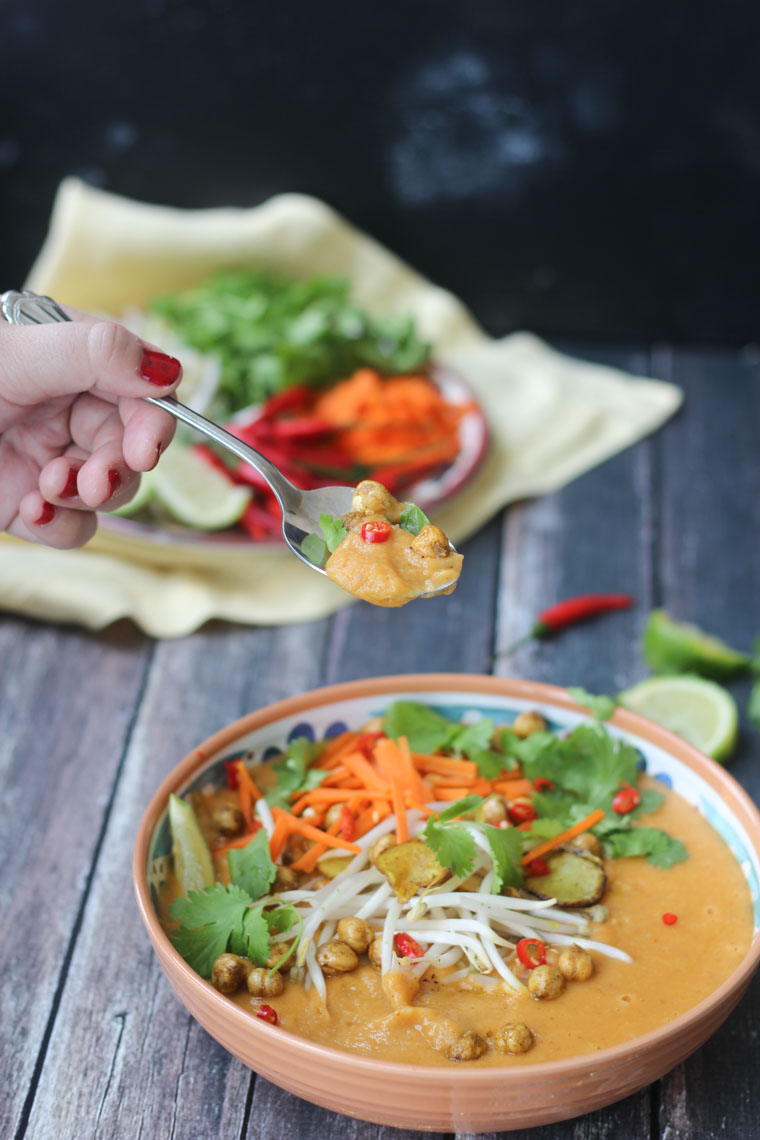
(114, 482)
(47, 514)
(71, 489)
(159, 368)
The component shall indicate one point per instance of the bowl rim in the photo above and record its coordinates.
(731, 792)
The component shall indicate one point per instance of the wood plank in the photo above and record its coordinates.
(150, 1071)
(66, 707)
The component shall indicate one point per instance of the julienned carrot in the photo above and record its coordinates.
(335, 796)
(248, 791)
(445, 766)
(240, 841)
(300, 827)
(308, 861)
(419, 791)
(278, 837)
(451, 795)
(402, 829)
(549, 844)
(371, 817)
(511, 789)
(332, 756)
(364, 771)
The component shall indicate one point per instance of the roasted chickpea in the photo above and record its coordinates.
(356, 933)
(227, 819)
(494, 810)
(263, 984)
(371, 498)
(376, 953)
(333, 814)
(467, 1047)
(285, 879)
(431, 542)
(336, 957)
(575, 964)
(587, 841)
(380, 845)
(526, 723)
(228, 973)
(515, 1037)
(277, 953)
(546, 983)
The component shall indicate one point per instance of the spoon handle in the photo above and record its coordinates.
(22, 307)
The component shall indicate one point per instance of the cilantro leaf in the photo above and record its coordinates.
(660, 849)
(255, 935)
(452, 845)
(251, 867)
(588, 763)
(315, 549)
(424, 728)
(650, 801)
(293, 772)
(601, 706)
(413, 519)
(474, 742)
(333, 530)
(506, 845)
(207, 920)
(460, 807)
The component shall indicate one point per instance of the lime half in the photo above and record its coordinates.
(700, 711)
(677, 647)
(195, 493)
(142, 496)
(193, 864)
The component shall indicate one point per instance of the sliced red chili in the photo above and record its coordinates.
(230, 767)
(366, 742)
(626, 800)
(520, 812)
(538, 867)
(266, 1013)
(670, 919)
(407, 947)
(531, 953)
(347, 823)
(376, 530)
(541, 784)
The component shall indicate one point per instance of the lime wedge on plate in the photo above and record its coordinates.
(700, 711)
(193, 864)
(195, 493)
(677, 647)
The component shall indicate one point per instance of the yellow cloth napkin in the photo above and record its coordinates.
(550, 417)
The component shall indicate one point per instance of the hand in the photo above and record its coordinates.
(74, 431)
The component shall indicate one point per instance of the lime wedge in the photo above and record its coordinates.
(193, 864)
(700, 711)
(140, 499)
(676, 647)
(195, 493)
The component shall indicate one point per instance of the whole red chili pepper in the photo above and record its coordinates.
(347, 823)
(376, 531)
(626, 800)
(521, 812)
(569, 612)
(531, 952)
(407, 947)
(266, 1013)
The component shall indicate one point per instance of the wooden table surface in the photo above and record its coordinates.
(93, 1042)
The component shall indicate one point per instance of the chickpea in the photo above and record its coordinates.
(376, 953)
(380, 845)
(263, 984)
(515, 1037)
(371, 498)
(356, 933)
(285, 879)
(333, 814)
(336, 957)
(526, 723)
(546, 983)
(431, 542)
(494, 810)
(277, 952)
(228, 973)
(587, 841)
(575, 964)
(227, 819)
(467, 1047)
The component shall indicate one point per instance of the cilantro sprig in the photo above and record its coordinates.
(453, 842)
(317, 547)
(427, 731)
(293, 773)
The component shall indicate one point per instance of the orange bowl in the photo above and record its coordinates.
(456, 1099)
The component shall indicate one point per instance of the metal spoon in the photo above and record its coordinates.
(300, 509)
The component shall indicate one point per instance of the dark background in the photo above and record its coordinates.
(588, 170)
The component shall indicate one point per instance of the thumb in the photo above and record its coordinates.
(38, 362)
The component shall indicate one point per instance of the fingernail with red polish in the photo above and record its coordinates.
(114, 482)
(159, 368)
(71, 489)
(47, 514)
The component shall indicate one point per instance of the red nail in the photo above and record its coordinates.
(47, 514)
(114, 482)
(159, 368)
(71, 489)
